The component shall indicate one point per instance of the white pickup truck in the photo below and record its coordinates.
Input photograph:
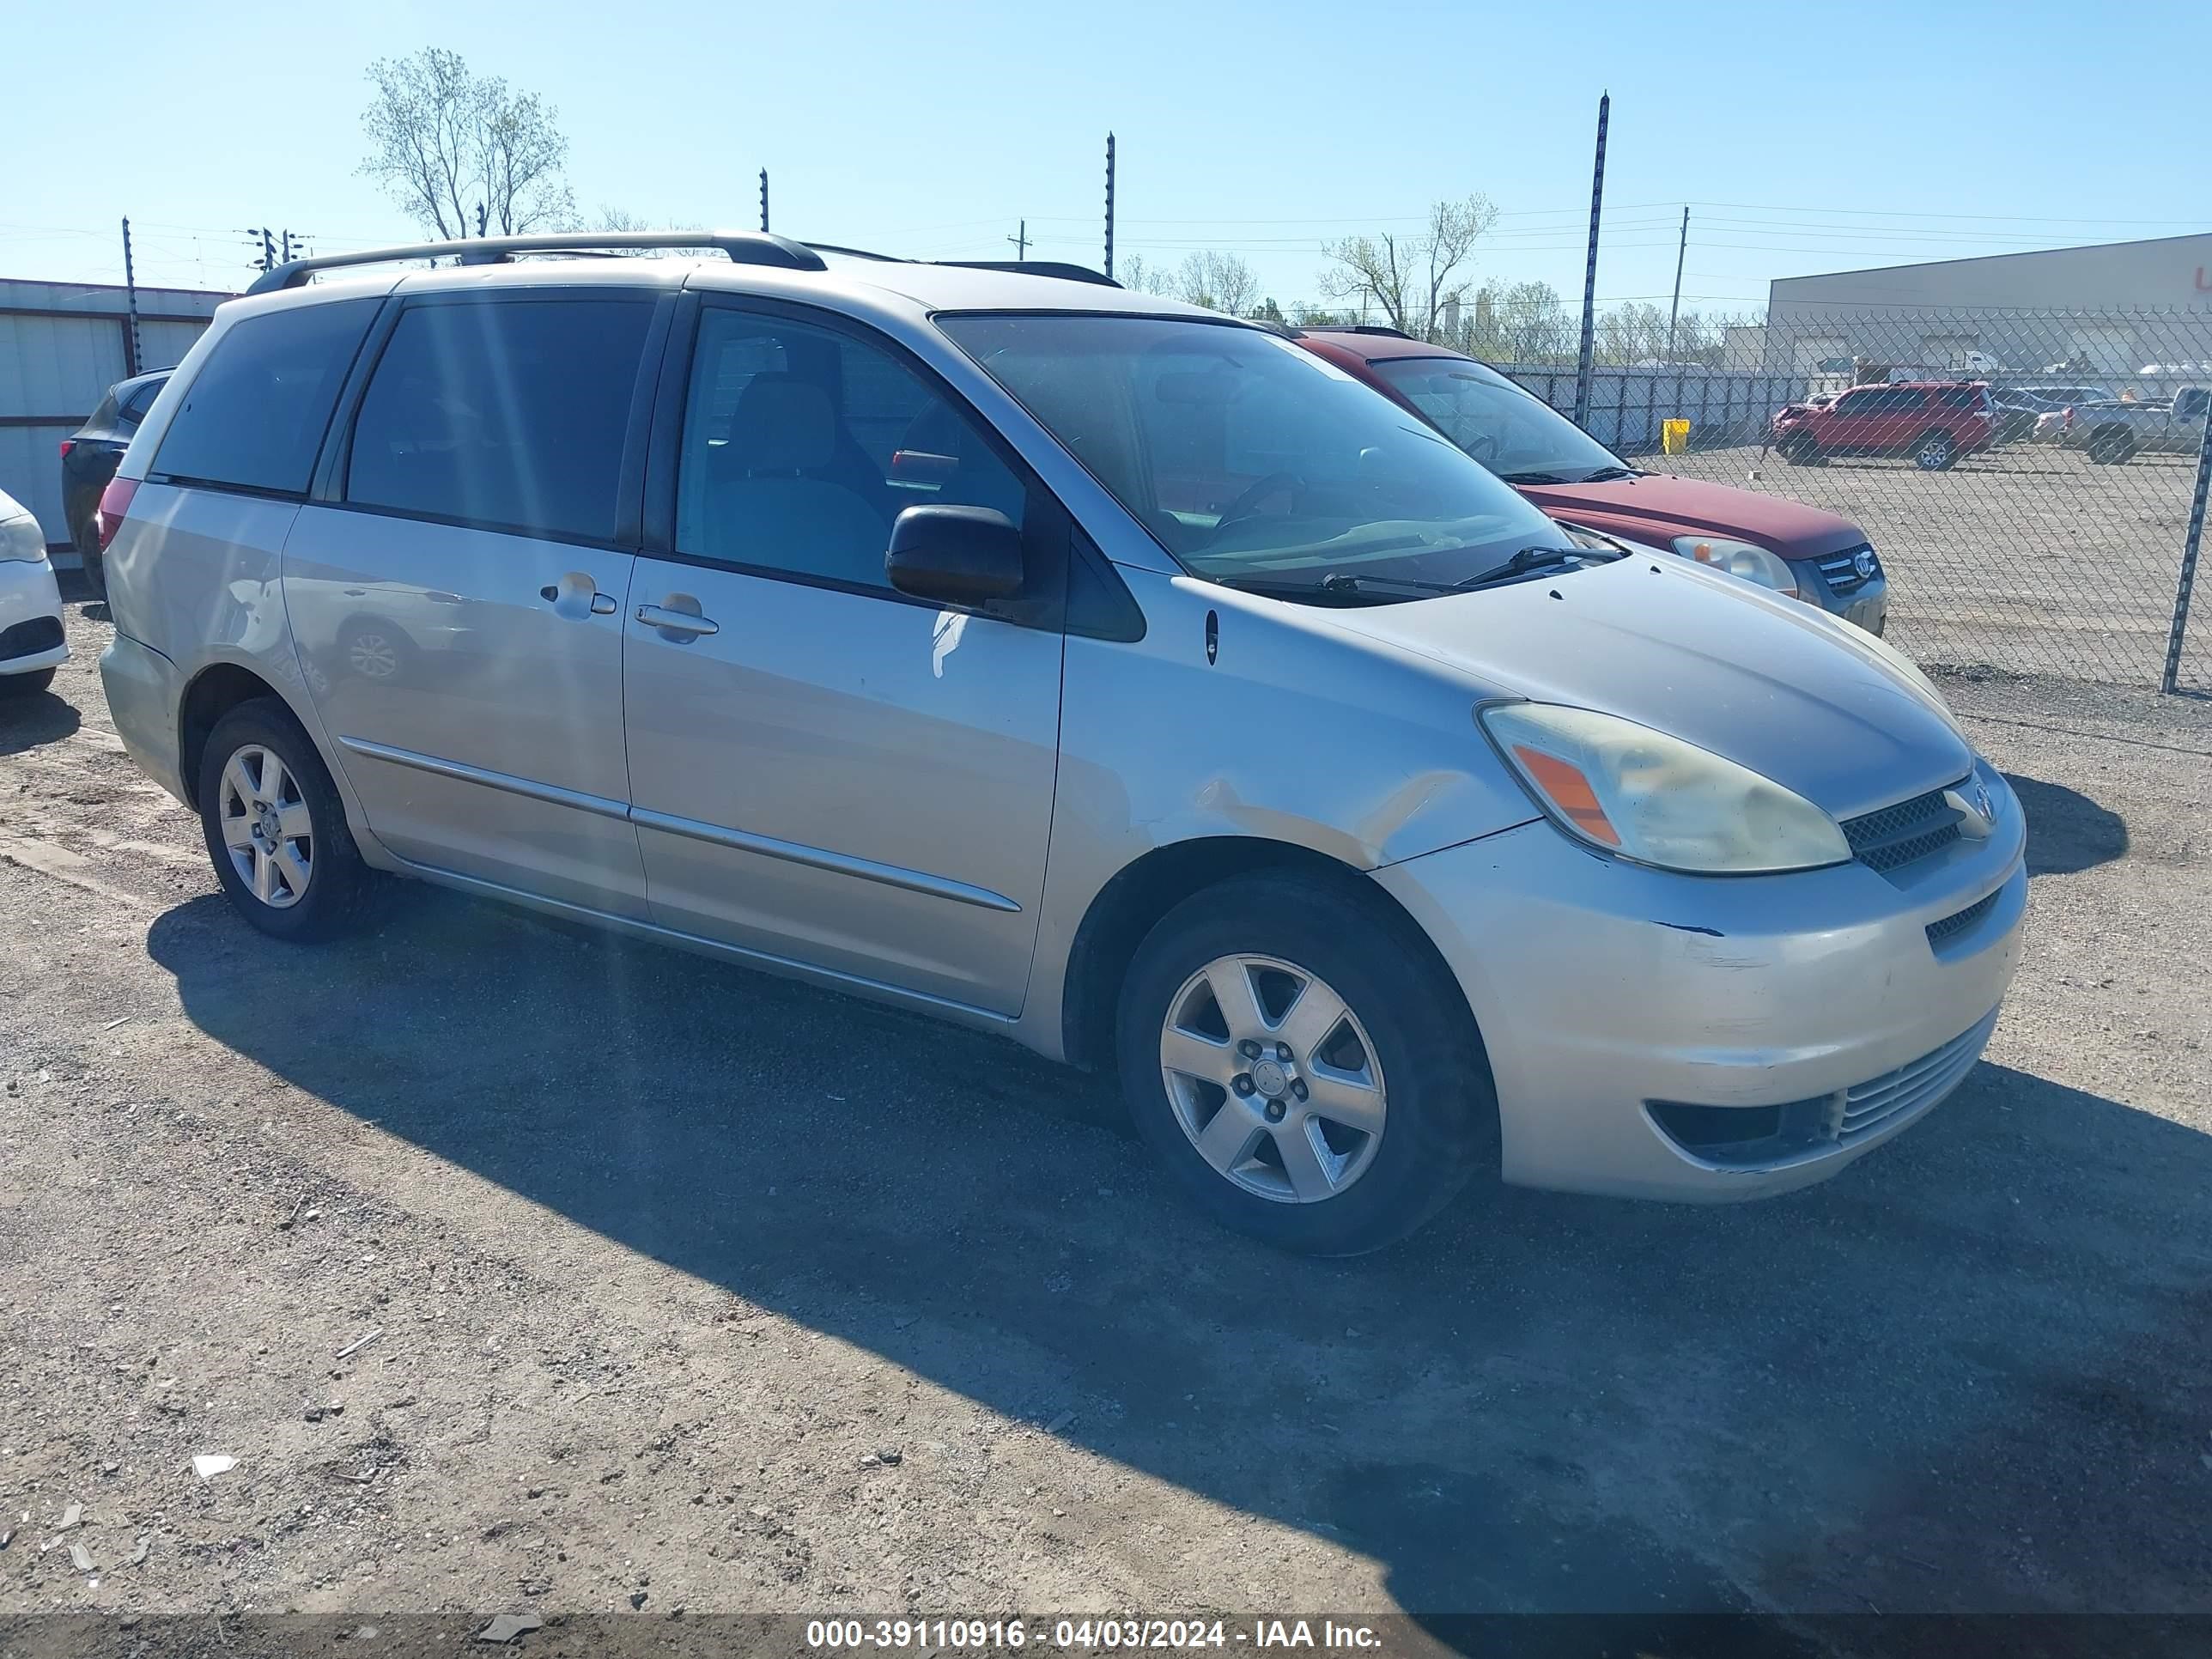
(2116, 432)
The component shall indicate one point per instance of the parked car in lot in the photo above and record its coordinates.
(1071, 665)
(2018, 407)
(2115, 433)
(1796, 550)
(1930, 423)
(89, 458)
(31, 641)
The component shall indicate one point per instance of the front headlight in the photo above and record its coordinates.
(1745, 559)
(21, 539)
(1646, 796)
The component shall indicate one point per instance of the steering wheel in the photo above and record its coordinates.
(1243, 507)
(1483, 446)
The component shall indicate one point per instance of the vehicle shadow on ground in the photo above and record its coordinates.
(2067, 832)
(1968, 1374)
(29, 722)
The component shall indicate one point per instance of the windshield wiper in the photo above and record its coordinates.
(1529, 560)
(1532, 477)
(1608, 474)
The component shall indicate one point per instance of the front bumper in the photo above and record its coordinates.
(1869, 607)
(29, 597)
(1603, 987)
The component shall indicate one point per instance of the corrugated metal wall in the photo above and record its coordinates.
(62, 345)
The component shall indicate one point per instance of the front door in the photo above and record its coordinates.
(458, 609)
(824, 770)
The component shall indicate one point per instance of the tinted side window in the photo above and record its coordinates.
(510, 414)
(135, 407)
(254, 415)
(1962, 397)
(801, 444)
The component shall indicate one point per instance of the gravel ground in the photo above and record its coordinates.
(519, 1268)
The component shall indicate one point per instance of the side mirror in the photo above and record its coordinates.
(955, 554)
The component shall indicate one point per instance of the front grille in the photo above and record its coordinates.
(1841, 572)
(1912, 1088)
(1896, 836)
(25, 638)
(1959, 920)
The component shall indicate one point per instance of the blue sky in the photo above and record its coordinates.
(1804, 137)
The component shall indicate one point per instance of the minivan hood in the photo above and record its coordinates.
(1658, 506)
(1770, 682)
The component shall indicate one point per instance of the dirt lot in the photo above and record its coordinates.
(518, 1269)
(2030, 558)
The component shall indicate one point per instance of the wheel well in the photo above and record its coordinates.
(214, 693)
(1130, 905)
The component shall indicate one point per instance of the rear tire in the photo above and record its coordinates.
(14, 687)
(275, 827)
(1935, 452)
(1799, 449)
(1383, 1107)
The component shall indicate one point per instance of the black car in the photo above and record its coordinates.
(90, 456)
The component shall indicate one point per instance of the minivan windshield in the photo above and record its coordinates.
(1514, 433)
(1254, 462)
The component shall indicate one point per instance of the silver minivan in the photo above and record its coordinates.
(1069, 663)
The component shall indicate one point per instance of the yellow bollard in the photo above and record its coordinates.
(1674, 437)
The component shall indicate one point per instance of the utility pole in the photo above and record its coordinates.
(265, 239)
(1022, 241)
(1110, 207)
(130, 358)
(1675, 310)
(764, 200)
(1589, 271)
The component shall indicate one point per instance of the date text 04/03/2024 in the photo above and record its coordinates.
(1093, 1634)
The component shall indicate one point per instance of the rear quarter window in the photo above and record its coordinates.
(253, 416)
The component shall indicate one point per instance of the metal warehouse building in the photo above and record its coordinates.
(2110, 309)
(62, 345)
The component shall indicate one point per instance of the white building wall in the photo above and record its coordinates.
(61, 347)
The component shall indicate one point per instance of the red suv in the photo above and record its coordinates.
(1932, 422)
(1800, 551)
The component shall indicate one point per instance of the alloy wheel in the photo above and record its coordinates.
(1274, 1078)
(266, 827)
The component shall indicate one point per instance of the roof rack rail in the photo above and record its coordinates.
(744, 247)
(1059, 268)
(1356, 328)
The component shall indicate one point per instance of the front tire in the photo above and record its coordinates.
(2111, 445)
(276, 828)
(1303, 1064)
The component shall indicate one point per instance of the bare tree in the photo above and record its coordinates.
(1411, 278)
(621, 219)
(450, 147)
(1139, 277)
(1219, 281)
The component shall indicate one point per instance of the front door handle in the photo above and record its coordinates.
(679, 619)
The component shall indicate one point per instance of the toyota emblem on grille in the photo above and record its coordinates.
(1862, 562)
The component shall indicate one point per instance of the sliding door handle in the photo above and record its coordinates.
(678, 625)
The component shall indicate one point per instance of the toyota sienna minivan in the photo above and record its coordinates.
(1065, 663)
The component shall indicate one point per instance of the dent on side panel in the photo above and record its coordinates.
(195, 574)
(1293, 733)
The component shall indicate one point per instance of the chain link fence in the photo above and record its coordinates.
(2031, 480)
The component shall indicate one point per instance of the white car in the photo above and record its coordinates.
(30, 643)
